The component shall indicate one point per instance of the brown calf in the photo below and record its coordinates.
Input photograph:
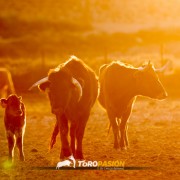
(15, 122)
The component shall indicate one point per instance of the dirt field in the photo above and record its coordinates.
(154, 131)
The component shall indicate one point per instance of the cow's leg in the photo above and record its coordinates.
(73, 135)
(19, 143)
(123, 133)
(126, 136)
(123, 128)
(79, 136)
(11, 142)
(115, 128)
(63, 128)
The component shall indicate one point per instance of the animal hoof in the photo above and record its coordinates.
(22, 158)
(79, 155)
(116, 146)
(123, 148)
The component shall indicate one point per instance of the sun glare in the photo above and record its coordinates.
(113, 41)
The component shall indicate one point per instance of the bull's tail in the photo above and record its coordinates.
(53, 137)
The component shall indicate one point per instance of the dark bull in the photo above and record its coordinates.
(72, 88)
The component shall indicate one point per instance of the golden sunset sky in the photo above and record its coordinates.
(107, 15)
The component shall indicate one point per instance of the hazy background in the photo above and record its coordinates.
(36, 35)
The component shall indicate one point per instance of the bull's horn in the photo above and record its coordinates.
(163, 68)
(78, 85)
(140, 68)
(38, 83)
(143, 68)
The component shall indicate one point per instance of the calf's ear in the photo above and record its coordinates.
(20, 98)
(3, 103)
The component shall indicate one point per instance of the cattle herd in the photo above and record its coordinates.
(72, 89)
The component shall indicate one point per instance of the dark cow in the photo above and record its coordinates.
(72, 89)
(6, 83)
(119, 85)
(15, 122)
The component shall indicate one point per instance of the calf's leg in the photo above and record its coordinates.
(10, 138)
(19, 143)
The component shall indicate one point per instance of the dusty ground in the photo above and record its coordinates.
(154, 131)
